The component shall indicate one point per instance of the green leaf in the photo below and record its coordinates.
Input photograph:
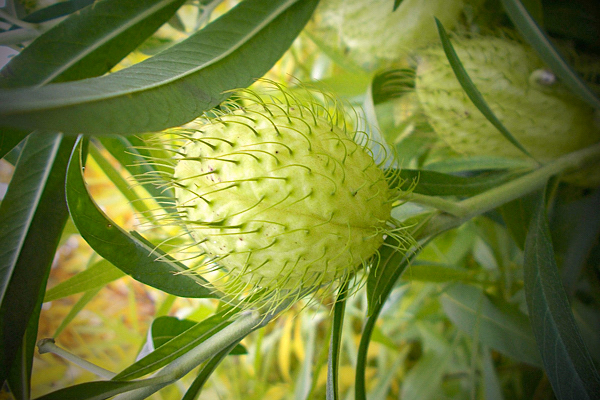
(56, 10)
(439, 184)
(335, 343)
(499, 326)
(479, 163)
(88, 43)
(423, 381)
(97, 275)
(172, 87)
(380, 282)
(98, 390)
(547, 52)
(166, 328)
(124, 150)
(383, 276)
(471, 90)
(32, 217)
(76, 308)
(9, 138)
(566, 360)
(175, 347)
(516, 215)
(133, 256)
(205, 372)
(397, 4)
(438, 273)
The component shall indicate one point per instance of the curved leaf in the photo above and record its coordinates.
(172, 87)
(567, 362)
(380, 282)
(175, 347)
(87, 43)
(335, 343)
(32, 217)
(472, 91)
(136, 258)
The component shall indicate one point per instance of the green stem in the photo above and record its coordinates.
(49, 346)
(453, 214)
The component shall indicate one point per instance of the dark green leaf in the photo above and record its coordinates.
(547, 52)
(516, 215)
(172, 87)
(335, 343)
(175, 347)
(566, 360)
(439, 184)
(471, 90)
(9, 138)
(503, 329)
(397, 4)
(136, 258)
(125, 151)
(392, 84)
(32, 217)
(56, 10)
(87, 43)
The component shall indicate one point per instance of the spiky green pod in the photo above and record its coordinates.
(280, 195)
(539, 112)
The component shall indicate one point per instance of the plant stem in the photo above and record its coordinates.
(452, 214)
(236, 331)
(49, 346)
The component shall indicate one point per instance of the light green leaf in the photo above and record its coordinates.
(423, 381)
(172, 87)
(565, 357)
(97, 275)
(503, 329)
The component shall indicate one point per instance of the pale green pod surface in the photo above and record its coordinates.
(281, 197)
(538, 111)
(372, 35)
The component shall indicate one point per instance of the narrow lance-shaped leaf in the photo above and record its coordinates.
(32, 217)
(471, 90)
(87, 43)
(566, 360)
(172, 87)
(381, 281)
(335, 343)
(137, 258)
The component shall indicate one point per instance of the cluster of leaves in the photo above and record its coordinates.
(480, 307)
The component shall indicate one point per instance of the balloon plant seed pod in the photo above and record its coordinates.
(527, 98)
(280, 193)
(372, 35)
